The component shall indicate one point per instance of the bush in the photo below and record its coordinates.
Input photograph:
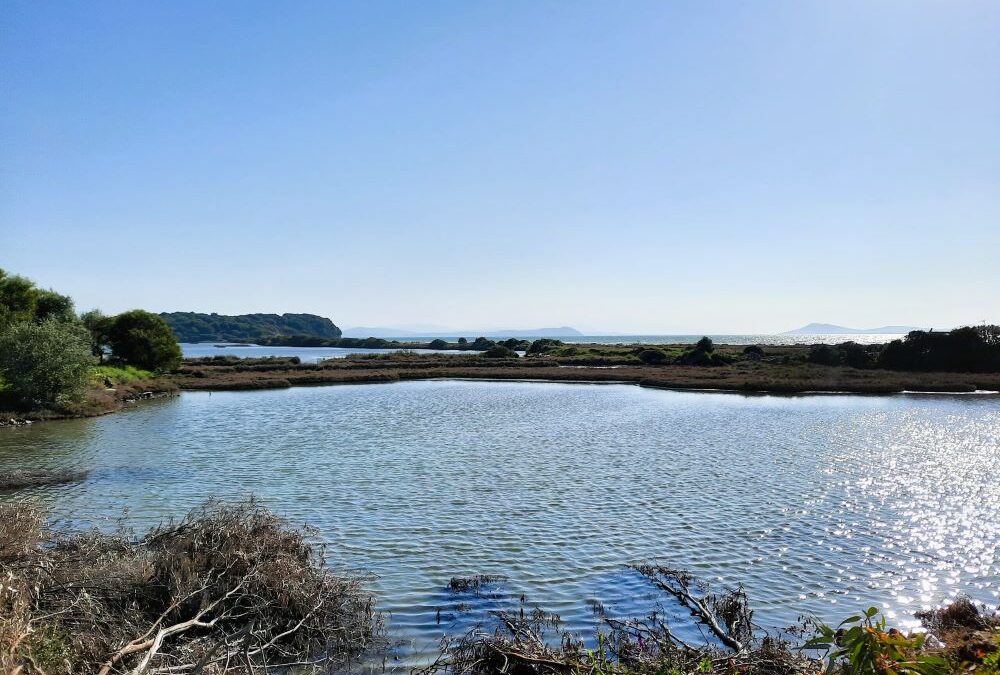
(483, 344)
(652, 356)
(721, 359)
(856, 356)
(144, 339)
(695, 357)
(754, 352)
(861, 645)
(232, 587)
(972, 349)
(705, 344)
(544, 345)
(516, 344)
(438, 344)
(824, 355)
(45, 363)
(499, 352)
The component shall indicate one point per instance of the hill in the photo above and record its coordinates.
(198, 327)
(833, 329)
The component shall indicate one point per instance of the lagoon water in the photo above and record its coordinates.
(313, 354)
(817, 504)
(197, 350)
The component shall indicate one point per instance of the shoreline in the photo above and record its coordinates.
(784, 371)
(778, 376)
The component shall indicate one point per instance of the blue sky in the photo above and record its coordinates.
(647, 167)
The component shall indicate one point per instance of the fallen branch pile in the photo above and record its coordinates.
(531, 643)
(226, 589)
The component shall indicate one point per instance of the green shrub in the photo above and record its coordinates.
(47, 362)
(499, 352)
(544, 345)
(824, 355)
(696, 357)
(652, 356)
(705, 344)
(861, 645)
(144, 339)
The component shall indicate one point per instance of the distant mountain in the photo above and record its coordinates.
(389, 331)
(198, 327)
(831, 329)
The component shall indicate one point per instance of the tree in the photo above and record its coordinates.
(99, 326)
(144, 339)
(17, 299)
(705, 345)
(52, 305)
(438, 344)
(45, 362)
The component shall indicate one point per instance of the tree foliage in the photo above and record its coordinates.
(21, 300)
(966, 349)
(144, 339)
(197, 327)
(47, 362)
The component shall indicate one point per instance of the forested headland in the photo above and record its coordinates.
(198, 327)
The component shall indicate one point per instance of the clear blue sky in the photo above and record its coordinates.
(649, 167)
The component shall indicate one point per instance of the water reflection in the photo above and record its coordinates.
(816, 504)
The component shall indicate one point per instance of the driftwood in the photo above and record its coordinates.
(728, 616)
(531, 643)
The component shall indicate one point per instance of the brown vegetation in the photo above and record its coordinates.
(227, 589)
(960, 639)
(531, 642)
(783, 371)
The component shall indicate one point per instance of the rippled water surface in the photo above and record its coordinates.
(816, 504)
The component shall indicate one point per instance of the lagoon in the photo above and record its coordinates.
(817, 504)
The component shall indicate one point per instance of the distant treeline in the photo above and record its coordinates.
(479, 344)
(971, 349)
(197, 327)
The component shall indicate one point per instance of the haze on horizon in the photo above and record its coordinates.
(674, 168)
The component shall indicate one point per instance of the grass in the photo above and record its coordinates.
(119, 374)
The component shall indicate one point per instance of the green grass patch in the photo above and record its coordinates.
(119, 374)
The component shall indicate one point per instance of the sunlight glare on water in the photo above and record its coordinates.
(817, 504)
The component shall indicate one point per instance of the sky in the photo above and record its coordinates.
(644, 167)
